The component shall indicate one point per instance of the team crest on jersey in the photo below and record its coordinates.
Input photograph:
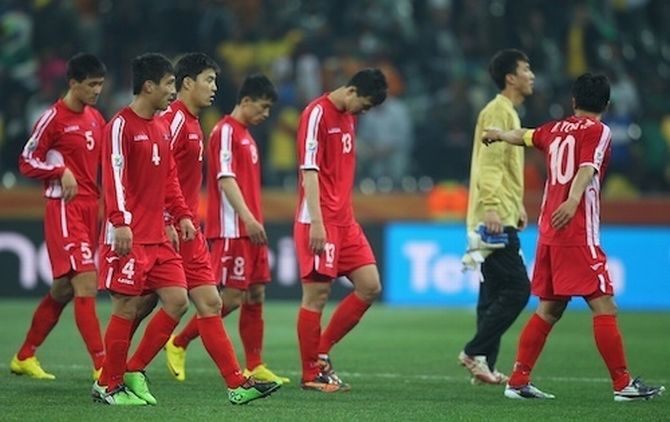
(94, 124)
(167, 137)
(117, 161)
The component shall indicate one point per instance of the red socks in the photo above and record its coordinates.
(219, 347)
(156, 335)
(531, 342)
(44, 319)
(309, 334)
(117, 342)
(609, 343)
(188, 333)
(345, 317)
(251, 333)
(89, 327)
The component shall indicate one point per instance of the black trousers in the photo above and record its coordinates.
(503, 295)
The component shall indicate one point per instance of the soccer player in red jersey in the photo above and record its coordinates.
(569, 260)
(235, 227)
(64, 151)
(329, 242)
(196, 85)
(139, 181)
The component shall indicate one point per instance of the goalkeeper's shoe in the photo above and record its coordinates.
(137, 383)
(501, 379)
(262, 373)
(528, 391)
(478, 367)
(252, 390)
(121, 396)
(325, 384)
(31, 367)
(176, 359)
(637, 390)
(327, 370)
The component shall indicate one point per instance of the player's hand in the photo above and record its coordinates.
(256, 232)
(69, 185)
(523, 219)
(317, 237)
(123, 240)
(173, 236)
(493, 222)
(187, 229)
(491, 135)
(564, 213)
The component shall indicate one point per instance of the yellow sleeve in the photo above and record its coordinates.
(491, 162)
(528, 137)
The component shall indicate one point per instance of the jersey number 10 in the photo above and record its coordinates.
(562, 159)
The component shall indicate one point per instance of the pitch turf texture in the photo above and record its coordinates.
(401, 364)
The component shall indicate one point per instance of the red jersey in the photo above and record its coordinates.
(570, 144)
(232, 152)
(139, 177)
(61, 139)
(326, 143)
(187, 149)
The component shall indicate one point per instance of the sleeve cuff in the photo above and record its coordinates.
(528, 137)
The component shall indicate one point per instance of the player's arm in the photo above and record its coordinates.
(564, 213)
(233, 193)
(176, 205)
(113, 179)
(515, 137)
(317, 231)
(491, 166)
(33, 162)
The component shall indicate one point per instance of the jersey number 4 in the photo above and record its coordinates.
(562, 159)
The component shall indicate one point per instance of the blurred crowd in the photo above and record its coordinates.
(434, 53)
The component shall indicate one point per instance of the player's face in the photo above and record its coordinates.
(164, 92)
(205, 88)
(256, 111)
(357, 105)
(87, 91)
(524, 78)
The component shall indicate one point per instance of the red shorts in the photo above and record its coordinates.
(146, 268)
(239, 263)
(71, 235)
(196, 261)
(564, 271)
(347, 249)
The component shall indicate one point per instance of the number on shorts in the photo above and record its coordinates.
(238, 266)
(129, 269)
(86, 252)
(329, 250)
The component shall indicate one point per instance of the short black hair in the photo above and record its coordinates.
(371, 83)
(85, 65)
(505, 62)
(591, 92)
(257, 86)
(190, 65)
(150, 67)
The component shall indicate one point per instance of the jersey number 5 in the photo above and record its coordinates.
(562, 159)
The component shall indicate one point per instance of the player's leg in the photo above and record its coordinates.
(610, 345)
(85, 291)
(241, 390)
(503, 295)
(252, 330)
(44, 320)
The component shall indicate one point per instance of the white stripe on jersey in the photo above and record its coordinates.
(228, 217)
(311, 141)
(54, 159)
(592, 194)
(118, 163)
(34, 141)
(176, 126)
(226, 152)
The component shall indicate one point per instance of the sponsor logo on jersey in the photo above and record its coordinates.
(245, 142)
(194, 136)
(334, 130)
(141, 137)
(72, 128)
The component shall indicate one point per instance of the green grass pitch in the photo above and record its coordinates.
(400, 362)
